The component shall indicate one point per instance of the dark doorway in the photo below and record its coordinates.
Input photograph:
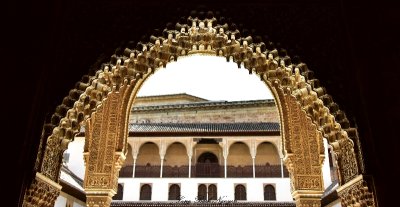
(207, 165)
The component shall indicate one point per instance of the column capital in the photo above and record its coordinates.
(163, 149)
(356, 191)
(42, 192)
(307, 198)
(99, 199)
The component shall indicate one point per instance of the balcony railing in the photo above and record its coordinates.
(270, 171)
(147, 171)
(126, 171)
(175, 171)
(203, 170)
(207, 170)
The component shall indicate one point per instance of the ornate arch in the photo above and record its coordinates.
(230, 144)
(102, 103)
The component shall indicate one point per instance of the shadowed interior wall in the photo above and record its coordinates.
(239, 154)
(148, 153)
(176, 155)
(266, 152)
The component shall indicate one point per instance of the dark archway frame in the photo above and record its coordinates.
(103, 101)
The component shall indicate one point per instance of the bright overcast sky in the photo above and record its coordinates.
(208, 77)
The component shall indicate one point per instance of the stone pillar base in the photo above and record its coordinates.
(307, 198)
(42, 192)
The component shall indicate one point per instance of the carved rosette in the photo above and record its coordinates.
(42, 192)
(356, 193)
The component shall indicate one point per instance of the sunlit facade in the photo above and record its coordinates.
(183, 148)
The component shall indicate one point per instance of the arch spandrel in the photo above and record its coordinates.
(125, 74)
(305, 141)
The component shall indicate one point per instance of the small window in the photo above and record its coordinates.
(207, 192)
(212, 192)
(202, 192)
(145, 192)
(240, 193)
(119, 194)
(174, 192)
(269, 193)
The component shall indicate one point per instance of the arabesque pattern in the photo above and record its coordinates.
(125, 74)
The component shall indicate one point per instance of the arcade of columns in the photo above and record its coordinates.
(102, 103)
(224, 146)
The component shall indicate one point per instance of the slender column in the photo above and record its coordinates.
(225, 152)
(253, 153)
(134, 167)
(190, 166)
(282, 167)
(135, 152)
(225, 166)
(254, 167)
(162, 163)
(162, 155)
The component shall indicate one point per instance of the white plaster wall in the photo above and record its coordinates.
(189, 186)
(61, 201)
(75, 162)
(160, 186)
(335, 203)
(78, 204)
(326, 172)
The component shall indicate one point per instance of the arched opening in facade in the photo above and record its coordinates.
(202, 192)
(239, 161)
(148, 161)
(174, 192)
(145, 192)
(240, 193)
(269, 193)
(101, 102)
(207, 192)
(120, 193)
(268, 162)
(207, 165)
(212, 192)
(176, 161)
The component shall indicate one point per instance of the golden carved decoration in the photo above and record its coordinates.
(356, 193)
(42, 192)
(103, 157)
(308, 203)
(103, 102)
(304, 162)
(344, 151)
(306, 146)
(98, 200)
(307, 198)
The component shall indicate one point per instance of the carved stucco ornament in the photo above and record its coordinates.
(292, 84)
